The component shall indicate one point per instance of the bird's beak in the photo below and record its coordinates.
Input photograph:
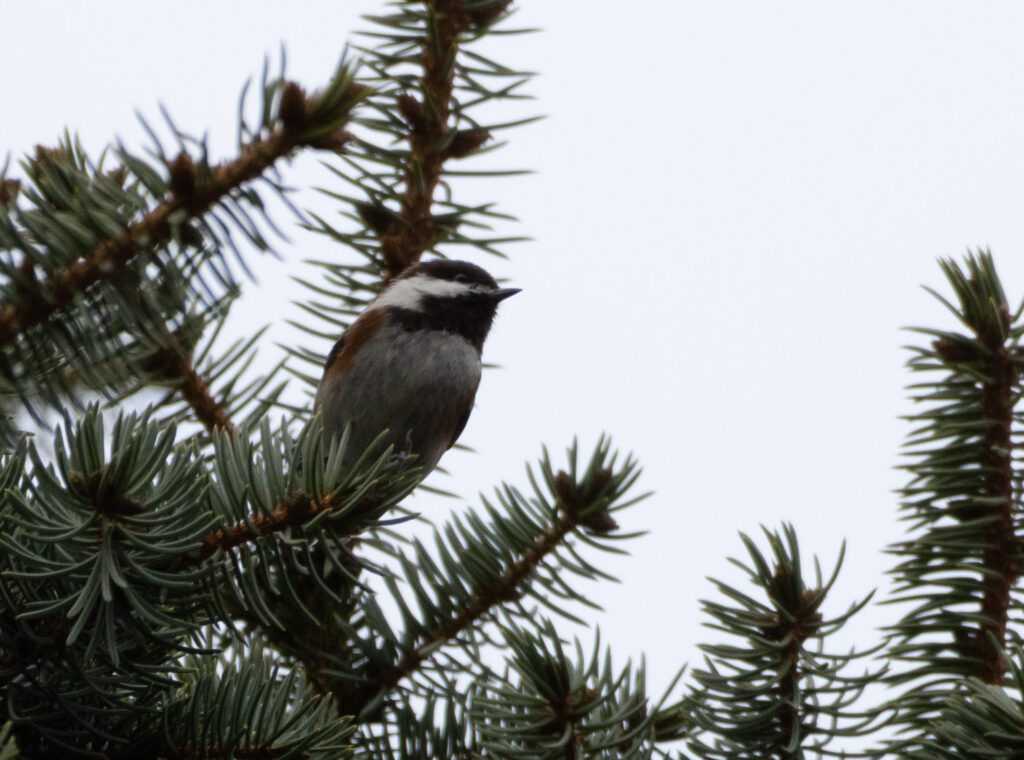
(502, 293)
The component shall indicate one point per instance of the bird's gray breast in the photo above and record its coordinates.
(417, 384)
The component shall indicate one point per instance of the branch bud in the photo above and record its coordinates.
(377, 218)
(412, 111)
(357, 90)
(335, 141)
(190, 236)
(292, 110)
(482, 13)
(580, 503)
(28, 272)
(955, 351)
(183, 176)
(9, 189)
(447, 221)
(52, 163)
(103, 501)
(466, 142)
(118, 176)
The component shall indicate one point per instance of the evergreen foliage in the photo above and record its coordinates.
(187, 570)
(770, 694)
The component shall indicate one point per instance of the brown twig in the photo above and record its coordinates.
(983, 645)
(172, 359)
(292, 513)
(175, 363)
(1001, 549)
(793, 626)
(406, 240)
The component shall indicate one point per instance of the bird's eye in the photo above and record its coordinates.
(461, 278)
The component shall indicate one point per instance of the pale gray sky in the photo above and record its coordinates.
(734, 206)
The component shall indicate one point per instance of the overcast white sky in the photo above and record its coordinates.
(734, 207)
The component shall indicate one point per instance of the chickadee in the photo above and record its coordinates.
(410, 363)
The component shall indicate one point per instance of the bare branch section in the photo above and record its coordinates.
(177, 363)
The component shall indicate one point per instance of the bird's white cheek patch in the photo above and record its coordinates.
(401, 294)
(409, 293)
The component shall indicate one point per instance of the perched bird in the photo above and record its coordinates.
(410, 363)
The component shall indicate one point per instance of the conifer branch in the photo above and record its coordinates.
(300, 508)
(504, 589)
(316, 483)
(173, 361)
(194, 389)
(1002, 544)
(191, 197)
(406, 238)
(551, 704)
(791, 627)
(583, 505)
(429, 110)
(768, 691)
(962, 559)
